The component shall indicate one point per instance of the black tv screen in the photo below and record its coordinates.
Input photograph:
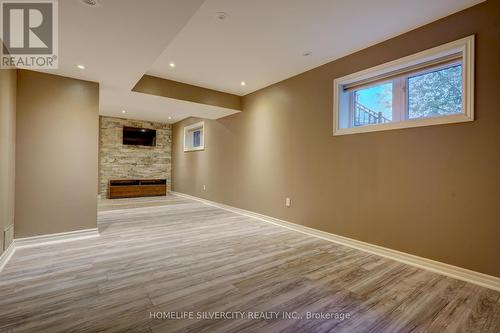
(139, 136)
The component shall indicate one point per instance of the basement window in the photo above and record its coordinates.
(428, 88)
(194, 137)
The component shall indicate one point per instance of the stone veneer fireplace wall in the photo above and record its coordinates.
(118, 161)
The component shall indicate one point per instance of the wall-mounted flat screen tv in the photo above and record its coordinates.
(139, 136)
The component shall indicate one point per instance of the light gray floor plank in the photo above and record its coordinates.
(170, 254)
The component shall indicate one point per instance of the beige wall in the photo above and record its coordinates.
(429, 191)
(119, 161)
(7, 151)
(56, 154)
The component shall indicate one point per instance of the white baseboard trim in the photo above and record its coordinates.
(456, 272)
(55, 238)
(6, 255)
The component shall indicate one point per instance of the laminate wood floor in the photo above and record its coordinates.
(157, 256)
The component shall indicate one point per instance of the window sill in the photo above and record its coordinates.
(459, 118)
(194, 149)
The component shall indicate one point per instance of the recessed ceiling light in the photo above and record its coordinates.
(123, 111)
(169, 118)
(80, 66)
(143, 130)
(243, 83)
(172, 64)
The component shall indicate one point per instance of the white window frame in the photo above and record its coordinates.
(464, 46)
(188, 140)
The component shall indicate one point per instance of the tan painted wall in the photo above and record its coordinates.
(429, 191)
(7, 150)
(56, 154)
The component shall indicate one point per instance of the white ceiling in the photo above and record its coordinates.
(261, 42)
(117, 41)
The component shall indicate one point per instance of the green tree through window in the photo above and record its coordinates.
(436, 93)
